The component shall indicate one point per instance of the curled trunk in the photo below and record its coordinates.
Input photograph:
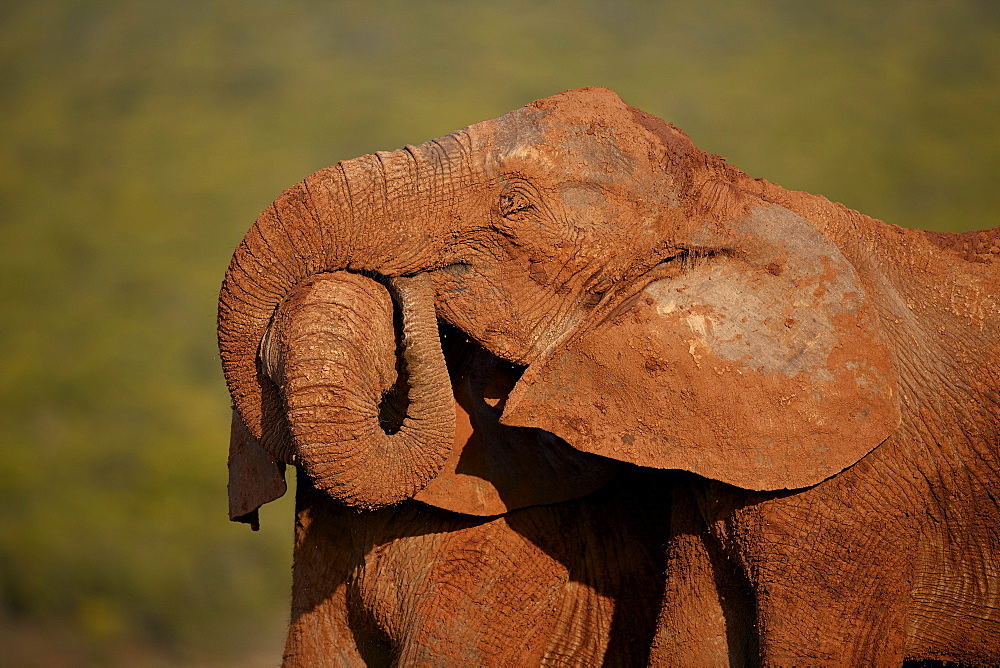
(331, 350)
(357, 216)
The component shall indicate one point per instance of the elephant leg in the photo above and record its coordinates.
(457, 594)
(323, 631)
(574, 583)
(415, 585)
(832, 568)
(707, 617)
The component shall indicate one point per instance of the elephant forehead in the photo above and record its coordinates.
(510, 133)
(603, 141)
(558, 152)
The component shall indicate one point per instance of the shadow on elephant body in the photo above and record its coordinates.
(581, 579)
(497, 468)
(621, 556)
(694, 508)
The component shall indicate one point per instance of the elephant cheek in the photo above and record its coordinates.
(653, 390)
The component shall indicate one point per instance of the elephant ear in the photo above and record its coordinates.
(760, 366)
(255, 477)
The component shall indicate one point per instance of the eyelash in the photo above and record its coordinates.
(514, 201)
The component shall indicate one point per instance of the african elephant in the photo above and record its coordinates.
(789, 409)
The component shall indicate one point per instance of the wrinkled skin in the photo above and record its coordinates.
(573, 583)
(788, 409)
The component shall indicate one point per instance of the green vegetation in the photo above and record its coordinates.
(139, 140)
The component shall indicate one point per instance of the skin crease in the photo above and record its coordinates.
(788, 408)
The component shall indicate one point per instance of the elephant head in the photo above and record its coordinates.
(667, 310)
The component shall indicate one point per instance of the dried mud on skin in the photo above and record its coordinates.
(686, 416)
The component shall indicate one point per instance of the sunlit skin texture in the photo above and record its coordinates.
(790, 409)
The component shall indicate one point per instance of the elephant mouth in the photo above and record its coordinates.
(492, 380)
(495, 468)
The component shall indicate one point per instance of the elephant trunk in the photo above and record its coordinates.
(336, 383)
(355, 217)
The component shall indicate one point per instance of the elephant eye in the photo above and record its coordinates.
(677, 260)
(514, 201)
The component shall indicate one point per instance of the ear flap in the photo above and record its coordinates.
(255, 477)
(759, 366)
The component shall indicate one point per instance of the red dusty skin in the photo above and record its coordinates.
(646, 354)
(333, 382)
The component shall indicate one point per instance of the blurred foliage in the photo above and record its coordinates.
(138, 140)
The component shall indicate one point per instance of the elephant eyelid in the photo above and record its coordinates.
(690, 255)
(515, 201)
(682, 259)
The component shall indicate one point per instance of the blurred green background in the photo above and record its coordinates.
(138, 141)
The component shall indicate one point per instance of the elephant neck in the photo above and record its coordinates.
(939, 310)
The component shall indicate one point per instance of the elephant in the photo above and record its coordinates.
(561, 387)
(471, 576)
